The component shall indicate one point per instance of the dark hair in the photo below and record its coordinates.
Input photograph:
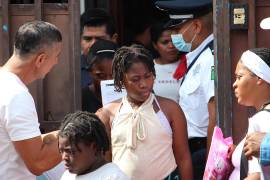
(263, 53)
(100, 50)
(157, 29)
(96, 18)
(127, 56)
(85, 127)
(35, 35)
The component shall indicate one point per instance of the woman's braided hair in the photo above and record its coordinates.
(127, 56)
(85, 127)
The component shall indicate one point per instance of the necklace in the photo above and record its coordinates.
(132, 103)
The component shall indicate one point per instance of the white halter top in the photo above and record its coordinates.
(141, 146)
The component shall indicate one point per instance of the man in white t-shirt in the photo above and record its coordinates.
(24, 151)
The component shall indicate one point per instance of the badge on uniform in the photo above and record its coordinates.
(196, 70)
(212, 72)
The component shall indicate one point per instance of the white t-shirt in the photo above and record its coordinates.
(165, 85)
(197, 89)
(18, 121)
(109, 171)
(56, 172)
(260, 122)
(253, 165)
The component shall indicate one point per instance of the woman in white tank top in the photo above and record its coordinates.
(166, 62)
(148, 133)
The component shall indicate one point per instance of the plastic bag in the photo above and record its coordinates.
(218, 166)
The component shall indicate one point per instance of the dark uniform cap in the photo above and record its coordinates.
(102, 46)
(182, 10)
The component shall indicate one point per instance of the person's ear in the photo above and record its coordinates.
(115, 38)
(154, 45)
(197, 25)
(40, 59)
(94, 147)
(260, 81)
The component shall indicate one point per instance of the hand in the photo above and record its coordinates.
(252, 144)
(230, 151)
(253, 176)
(229, 157)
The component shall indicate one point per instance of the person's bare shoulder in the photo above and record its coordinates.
(107, 112)
(170, 108)
(167, 105)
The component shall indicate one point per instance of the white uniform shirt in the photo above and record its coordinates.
(18, 121)
(165, 85)
(197, 89)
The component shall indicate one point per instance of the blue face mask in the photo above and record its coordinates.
(179, 42)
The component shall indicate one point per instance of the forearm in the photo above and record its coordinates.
(212, 122)
(210, 130)
(185, 169)
(39, 153)
(183, 160)
(182, 156)
(49, 155)
(253, 176)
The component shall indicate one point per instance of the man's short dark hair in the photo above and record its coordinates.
(35, 35)
(96, 18)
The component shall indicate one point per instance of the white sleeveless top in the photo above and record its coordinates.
(141, 145)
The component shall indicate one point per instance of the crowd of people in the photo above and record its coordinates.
(161, 127)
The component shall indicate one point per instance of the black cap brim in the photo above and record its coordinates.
(174, 22)
(183, 6)
(187, 9)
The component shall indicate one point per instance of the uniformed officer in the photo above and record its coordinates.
(193, 23)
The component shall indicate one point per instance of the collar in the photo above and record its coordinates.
(191, 55)
(15, 78)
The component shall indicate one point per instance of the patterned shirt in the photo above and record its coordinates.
(265, 150)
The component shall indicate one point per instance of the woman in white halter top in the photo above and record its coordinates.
(148, 133)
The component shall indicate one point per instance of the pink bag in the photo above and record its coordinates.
(218, 166)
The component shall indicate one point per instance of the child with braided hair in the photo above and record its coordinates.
(82, 142)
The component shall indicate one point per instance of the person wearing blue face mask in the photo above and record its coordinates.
(192, 20)
(180, 43)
